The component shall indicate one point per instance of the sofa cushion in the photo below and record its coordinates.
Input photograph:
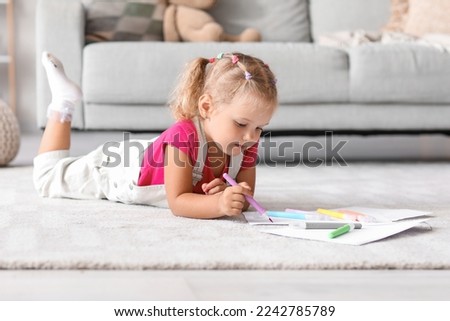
(330, 15)
(285, 20)
(399, 73)
(124, 20)
(309, 74)
(146, 72)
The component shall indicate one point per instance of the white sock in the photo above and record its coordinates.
(65, 93)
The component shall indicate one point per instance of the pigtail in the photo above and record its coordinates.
(184, 99)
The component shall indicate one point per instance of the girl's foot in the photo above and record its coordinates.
(65, 93)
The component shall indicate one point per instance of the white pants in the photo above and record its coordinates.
(96, 176)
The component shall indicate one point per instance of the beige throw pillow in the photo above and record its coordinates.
(399, 11)
(428, 16)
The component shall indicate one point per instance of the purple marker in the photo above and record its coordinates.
(261, 210)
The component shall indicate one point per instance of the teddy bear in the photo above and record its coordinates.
(185, 20)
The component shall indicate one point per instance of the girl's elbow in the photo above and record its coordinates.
(175, 207)
(177, 213)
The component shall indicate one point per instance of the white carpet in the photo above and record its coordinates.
(72, 234)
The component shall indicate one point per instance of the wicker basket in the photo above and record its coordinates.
(9, 134)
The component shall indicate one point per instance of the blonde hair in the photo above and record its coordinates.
(223, 78)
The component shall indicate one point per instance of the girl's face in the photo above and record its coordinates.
(236, 126)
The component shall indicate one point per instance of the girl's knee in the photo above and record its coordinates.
(44, 170)
(40, 181)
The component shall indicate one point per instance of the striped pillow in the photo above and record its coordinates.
(124, 20)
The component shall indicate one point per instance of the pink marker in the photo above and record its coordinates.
(261, 210)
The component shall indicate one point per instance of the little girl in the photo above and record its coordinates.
(221, 106)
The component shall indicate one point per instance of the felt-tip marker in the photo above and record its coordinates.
(358, 217)
(322, 225)
(261, 210)
(297, 215)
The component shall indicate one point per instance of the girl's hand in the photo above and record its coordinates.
(214, 187)
(232, 199)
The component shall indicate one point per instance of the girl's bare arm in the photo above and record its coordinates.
(184, 202)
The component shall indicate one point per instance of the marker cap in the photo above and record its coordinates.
(341, 230)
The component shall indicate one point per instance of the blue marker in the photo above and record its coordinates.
(297, 216)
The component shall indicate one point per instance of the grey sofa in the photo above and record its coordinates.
(401, 87)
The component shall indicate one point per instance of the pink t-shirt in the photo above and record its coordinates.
(182, 135)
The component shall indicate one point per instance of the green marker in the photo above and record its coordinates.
(341, 230)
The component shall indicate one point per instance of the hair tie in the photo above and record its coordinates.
(212, 60)
(234, 59)
(220, 55)
(248, 75)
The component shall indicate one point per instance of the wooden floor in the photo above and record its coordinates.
(185, 285)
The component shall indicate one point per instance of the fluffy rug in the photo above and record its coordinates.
(72, 234)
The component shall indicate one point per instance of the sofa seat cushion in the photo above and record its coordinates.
(399, 73)
(146, 72)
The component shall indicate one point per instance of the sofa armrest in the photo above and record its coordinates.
(60, 26)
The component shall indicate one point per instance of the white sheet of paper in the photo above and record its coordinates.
(381, 214)
(369, 232)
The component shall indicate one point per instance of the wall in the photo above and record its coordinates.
(24, 16)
